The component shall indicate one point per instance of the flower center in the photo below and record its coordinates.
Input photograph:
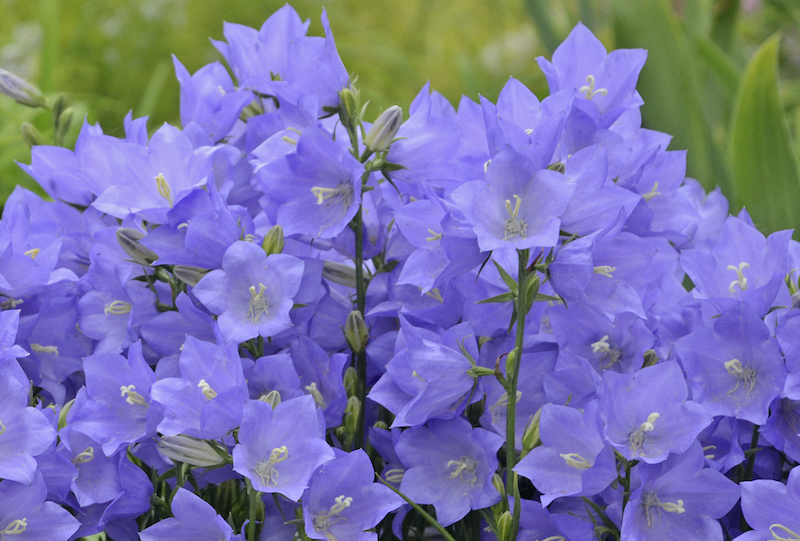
(208, 392)
(15, 528)
(258, 304)
(609, 356)
(131, 396)
(604, 270)
(651, 503)
(342, 193)
(323, 521)
(637, 437)
(84, 456)
(742, 374)
(576, 461)
(117, 308)
(32, 253)
(589, 89)
(514, 225)
(464, 469)
(316, 395)
(266, 468)
(741, 281)
(652, 193)
(38, 348)
(164, 189)
(783, 531)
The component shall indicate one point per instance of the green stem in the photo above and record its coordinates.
(361, 357)
(511, 409)
(751, 460)
(601, 513)
(252, 508)
(432, 521)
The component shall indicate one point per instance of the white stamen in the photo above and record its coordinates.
(16, 527)
(266, 468)
(650, 501)
(784, 530)
(258, 304)
(316, 395)
(741, 281)
(652, 193)
(604, 270)
(576, 461)
(743, 375)
(38, 348)
(514, 225)
(434, 235)
(637, 437)
(164, 189)
(289, 140)
(323, 521)
(394, 475)
(32, 253)
(208, 392)
(131, 396)
(117, 308)
(464, 469)
(589, 89)
(84, 456)
(342, 193)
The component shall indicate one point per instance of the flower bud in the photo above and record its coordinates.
(650, 358)
(31, 135)
(189, 275)
(273, 398)
(349, 105)
(530, 438)
(63, 412)
(351, 414)
(273, 240)
(350, 381)
(129, 239)
(504, 526)
(189, 450)
(64, 123)
(384, 129)
(511, 363)
(339, 273)
(499, 485)
(356, 331)
(20, 90)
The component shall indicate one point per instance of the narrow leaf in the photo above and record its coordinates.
(505, 297)
(763, 162)
(507, 278)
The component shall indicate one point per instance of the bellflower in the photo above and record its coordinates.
(192, 518)
(280, 448)
(770, 508)
(252, 294)
(735, 368)
(342, 500)
(679, 499)
(26, 514)
(454, 474)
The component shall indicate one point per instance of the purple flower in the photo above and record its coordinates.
(770, 508)
(679, 499)
(735, 368)
(252, 294)
(279, 450)
(343, 501)
(25, 515)
(192, 519)
(450, 465)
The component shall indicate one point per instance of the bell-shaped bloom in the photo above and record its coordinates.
(450, 465)
(252, 294)
(343, 500)
(279, 449)
(516, 206)
(192, 518)
(647, 415)
(573, 458)
(679, 499)
(770, 508)
(25, 515)
(207, 400)
(735, 368)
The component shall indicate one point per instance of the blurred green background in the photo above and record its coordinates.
(714, 78)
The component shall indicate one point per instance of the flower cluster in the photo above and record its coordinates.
(511, 320)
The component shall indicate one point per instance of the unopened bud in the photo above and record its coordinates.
(478, 371)
(381, 424)
(350, 381)
(20, 90)
(63, 412)
(650, 358)
(511, 363)
(498, 484)
(356, 331)
(530, 438)
(64, 124)
(189, 450)
(273, 240)
(351, 414)
(349, 105)
(273, 398)
(189, 275)
(339, 273)
(384, 129)
(129, 239)
(504, 526)
(31, 135)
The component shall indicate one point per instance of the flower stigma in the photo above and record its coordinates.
(164, 189)
(342, 193)
(741, 281)
(742, 375)
(32, 253)
(576, 461)
(434, 235)
(650, 501)
(604, 270)
(652, 193)
(16, 527)
(637, 437)
(323, 521)
(608, 354)
(783, 530)
(117, 308)
(87, 455)
(464, 469)
(128, 392)
(38, 348)
(258, 304)
(514, 225)
(589, 89)
(208, 392)
(266, 468)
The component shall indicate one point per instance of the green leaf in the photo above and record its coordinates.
(719, 62)
(507, 278)
(763, 161)
(505, 297)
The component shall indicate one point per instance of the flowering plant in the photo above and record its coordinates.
(511, 320)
